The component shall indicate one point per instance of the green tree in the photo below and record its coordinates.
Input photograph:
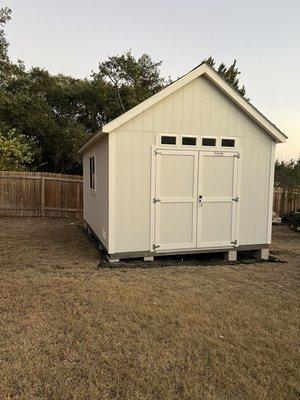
(287, 174)
(133, 79)
(59, 112)
(16, 151)
(229, 74)
(5, 16)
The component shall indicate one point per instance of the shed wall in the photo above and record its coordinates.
(96, 203)
(199, 109)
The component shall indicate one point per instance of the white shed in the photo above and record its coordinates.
(188, 170)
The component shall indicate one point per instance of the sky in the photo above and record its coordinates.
(73, 36)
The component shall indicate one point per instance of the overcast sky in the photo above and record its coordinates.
(72, 36)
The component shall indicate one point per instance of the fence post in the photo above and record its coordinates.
(43, 197)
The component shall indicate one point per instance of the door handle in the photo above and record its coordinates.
(200, 198)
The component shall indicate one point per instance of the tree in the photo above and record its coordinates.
(5, 16)
(133, 80)
(229, 74)
(16, 151)
(59, 112)
(287, 174)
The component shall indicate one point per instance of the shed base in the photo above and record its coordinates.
(260, 251)
(113, 260)
(229, 254)
(261, 254)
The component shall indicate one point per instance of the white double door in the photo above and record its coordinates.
(195, 199)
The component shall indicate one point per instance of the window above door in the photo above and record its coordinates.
(209, 142)
(197, 142)
(168, 139)
(190, 141)
(228, 142)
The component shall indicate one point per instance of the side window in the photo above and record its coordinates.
(228, 142)
(168, 140)
(211, 142)
(92, 174)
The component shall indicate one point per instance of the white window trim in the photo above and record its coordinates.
(190, 146)
(93, 191)
(159, 136)
(230, 138)
(209, 137)
(198, 145)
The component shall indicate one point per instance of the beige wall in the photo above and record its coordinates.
(199, 109)
(96, 203)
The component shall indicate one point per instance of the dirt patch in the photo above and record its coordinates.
(72, 330)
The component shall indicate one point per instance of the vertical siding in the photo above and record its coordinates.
(200, 109)
(96, 204)
(132, 161)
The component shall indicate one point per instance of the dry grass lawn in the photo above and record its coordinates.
(72, 330)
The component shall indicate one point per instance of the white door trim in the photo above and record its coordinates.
(225, 199)
(236, 212)
(155, 206)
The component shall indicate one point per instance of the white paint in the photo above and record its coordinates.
(175, 195)
(217, 184)
(184, 113)
(95, 203)
(198, 109)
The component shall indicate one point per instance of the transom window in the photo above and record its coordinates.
(228, 142)
(168, 140)
(92, 174)
(208, 142)
(189, 141)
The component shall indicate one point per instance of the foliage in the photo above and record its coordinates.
(5, 16)
(16, 151)
(59, 112)
(287, 174)
(229, 74)
(133, 80)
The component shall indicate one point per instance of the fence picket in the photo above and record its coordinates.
(285, 201)
(40, 194)
(61, 196)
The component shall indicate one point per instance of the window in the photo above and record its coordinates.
(208, 142)
(168, 140)
(92, 173)
(189, 141)
(228, 142)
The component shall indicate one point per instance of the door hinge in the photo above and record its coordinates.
(235, 199)
(234, 242)
(156, 200)
(237, 155)
(155, 246)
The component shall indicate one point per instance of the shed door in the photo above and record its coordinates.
(175, 210)
(217, 209)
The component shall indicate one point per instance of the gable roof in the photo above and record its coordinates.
(214, 77)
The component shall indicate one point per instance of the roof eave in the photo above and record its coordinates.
(212, 75)
(246, 106)
(97, 136)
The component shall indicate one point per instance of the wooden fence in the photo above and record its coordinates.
(285, 201)
(41, 194)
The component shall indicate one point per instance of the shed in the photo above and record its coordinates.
(188, 170)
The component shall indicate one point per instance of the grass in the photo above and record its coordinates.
(71, 330)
